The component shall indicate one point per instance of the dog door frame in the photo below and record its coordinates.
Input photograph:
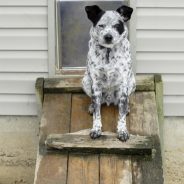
(53, 53)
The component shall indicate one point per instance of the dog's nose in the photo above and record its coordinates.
(108, 38)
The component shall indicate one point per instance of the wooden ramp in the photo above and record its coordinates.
(65, 109)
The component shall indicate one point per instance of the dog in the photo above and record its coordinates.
(109, 77)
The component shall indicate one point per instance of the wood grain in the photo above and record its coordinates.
(52, 169)
(83, 168)
(107, 143)
(114, 169)
(73, 84)
(146, 171)
(136, 124)
(154, 167)
(39, 95)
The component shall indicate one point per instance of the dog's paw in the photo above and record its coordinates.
(123, 135)
(91, 109)
(95, 133)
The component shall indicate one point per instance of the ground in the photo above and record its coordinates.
(174, 150)
(18, 145)
(19, 140)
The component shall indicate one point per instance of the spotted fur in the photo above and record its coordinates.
(109, 77)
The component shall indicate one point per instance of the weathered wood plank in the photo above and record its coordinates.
(39, 94)
(73, 84)
(80, 118)
(109, 123)
(136, 123)
(64, 84)
(147, 171)
(145, 83)
(107, 143)
(159, 103)
(82, 168)
(156, 174)
(136, 113)
(114, 169)
(52, 169)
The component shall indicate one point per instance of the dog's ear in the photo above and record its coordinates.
(125, 12)
(94, 13)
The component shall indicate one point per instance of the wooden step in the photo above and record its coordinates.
(80, 142)
(67, 112)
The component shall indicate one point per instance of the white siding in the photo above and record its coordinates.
(24, 51)
(160, 48)
(23, 54)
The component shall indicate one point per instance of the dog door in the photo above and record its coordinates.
(72, 32)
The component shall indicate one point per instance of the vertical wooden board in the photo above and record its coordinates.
(39, 95)
(56, 115)
(136, 123)
(82, 169)
(152, 171)
(159, 104)
(52, 169)
(114, 169)
(136, 113)
(147, 171)
(108, 119)
(150, 125)
(80, 118)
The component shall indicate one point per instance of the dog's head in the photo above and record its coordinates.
(108, 26)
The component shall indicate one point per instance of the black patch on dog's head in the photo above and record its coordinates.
(119, 27)
(94, 13)
(125, 12)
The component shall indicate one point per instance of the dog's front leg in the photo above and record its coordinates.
(97, 125)
(122, 131)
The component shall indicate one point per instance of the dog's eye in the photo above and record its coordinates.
(116, 25)
(101, 25)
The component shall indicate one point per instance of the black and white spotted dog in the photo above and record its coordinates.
(109, 77)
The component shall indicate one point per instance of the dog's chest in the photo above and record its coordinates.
(108, 74)
(108, 66)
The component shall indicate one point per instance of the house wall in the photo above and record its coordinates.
(23, 54)
(24, 51)
(160, 46)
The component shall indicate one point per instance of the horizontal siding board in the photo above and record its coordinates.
(174, 88)
(173, 84)
(24, 65)
(23, 61)
(23, 54)
(23, 39)
(160, 12)
(173, 105)
(160, 41)
(23, 2)
(160, 22)
(19, 83)
(160, 3)
(23, 43)
(160, 66)
(23, 17)
(18, 105)
(160, 44)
